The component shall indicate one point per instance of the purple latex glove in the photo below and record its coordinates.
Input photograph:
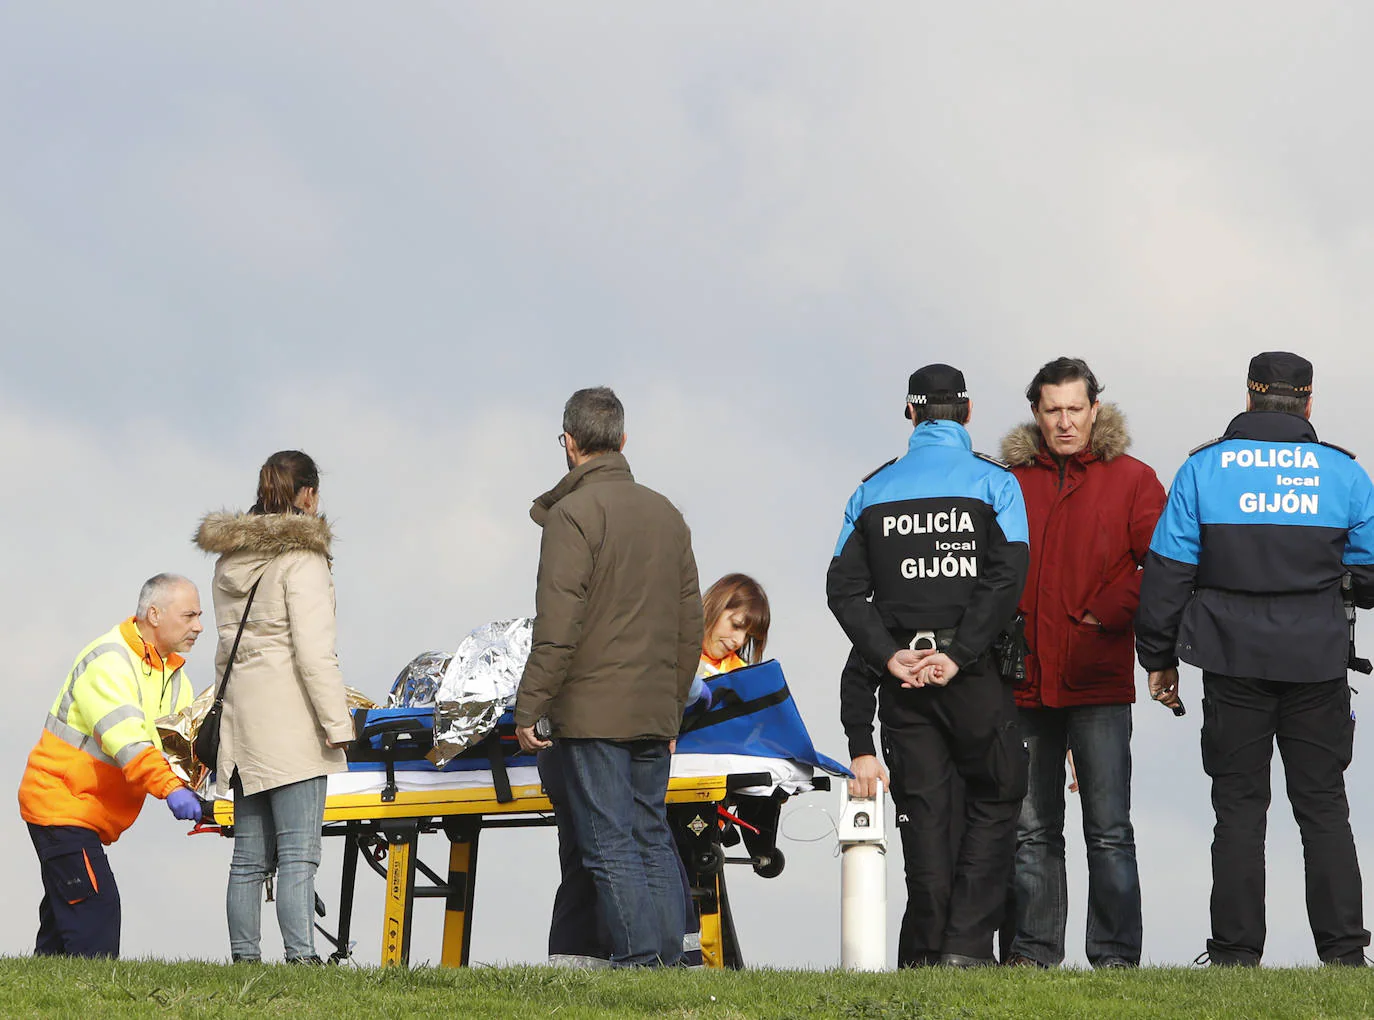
(184, 804)
(699, 697)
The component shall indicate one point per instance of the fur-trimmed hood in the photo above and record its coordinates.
(289, 715)
(1110, 438)
(271, 534)
(247, 543)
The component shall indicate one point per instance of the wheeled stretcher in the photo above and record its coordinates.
(721, 796)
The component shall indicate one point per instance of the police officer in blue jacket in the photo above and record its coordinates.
(1243, 580)
(926, 575)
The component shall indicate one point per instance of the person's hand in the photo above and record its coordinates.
(184, 804)
(339, 743)
(868, 773)
(938, 670)
(905, 665)
(529, 743)
(703, 701)
(1164, 687)
(902, 666)
(1073, 772)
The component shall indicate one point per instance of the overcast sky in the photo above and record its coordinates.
(398, 236)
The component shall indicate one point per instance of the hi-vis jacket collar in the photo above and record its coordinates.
(145, 651)
(939, 433)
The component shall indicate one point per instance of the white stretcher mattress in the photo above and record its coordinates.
(786, 775)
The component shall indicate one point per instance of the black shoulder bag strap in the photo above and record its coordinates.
(234, 651)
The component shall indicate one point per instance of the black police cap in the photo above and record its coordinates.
(1280, 373)
(935, 384)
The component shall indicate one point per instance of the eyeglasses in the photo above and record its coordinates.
(563, 440)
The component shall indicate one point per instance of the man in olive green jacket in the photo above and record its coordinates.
(617, 639)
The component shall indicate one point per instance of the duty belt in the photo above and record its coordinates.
(943, 638)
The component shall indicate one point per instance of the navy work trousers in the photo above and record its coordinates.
(79, 915)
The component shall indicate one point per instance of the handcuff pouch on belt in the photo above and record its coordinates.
(938, 640)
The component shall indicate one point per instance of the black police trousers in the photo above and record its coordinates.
(934, 737)
(1315, 731)
(79, 914)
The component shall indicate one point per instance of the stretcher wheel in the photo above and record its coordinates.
(710, 860)
(770, 865)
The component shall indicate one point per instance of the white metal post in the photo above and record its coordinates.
(863, 881)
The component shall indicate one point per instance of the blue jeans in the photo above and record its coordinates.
(576, 929)
(276, 830)
(616, 792)
(1100, 736)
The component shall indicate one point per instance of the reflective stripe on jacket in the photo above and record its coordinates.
(100, 754)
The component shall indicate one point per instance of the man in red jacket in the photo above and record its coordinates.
(1092, 511)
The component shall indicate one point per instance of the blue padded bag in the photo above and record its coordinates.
(752, 712)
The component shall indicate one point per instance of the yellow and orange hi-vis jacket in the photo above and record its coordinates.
(709, 667)
(100, 754)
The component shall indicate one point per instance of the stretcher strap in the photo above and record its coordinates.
(732, 706)
(500, 781)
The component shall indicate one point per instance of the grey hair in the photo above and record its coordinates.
(156, 590)
(595, 419)
(1285, 402)
(939, 412)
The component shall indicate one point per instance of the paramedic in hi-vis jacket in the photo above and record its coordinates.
(99, 755)
(927, 573)
(1243, 580)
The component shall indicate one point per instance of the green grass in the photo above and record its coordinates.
(79, 988)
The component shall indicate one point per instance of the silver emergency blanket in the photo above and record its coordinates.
(417, 685)
(479, 685)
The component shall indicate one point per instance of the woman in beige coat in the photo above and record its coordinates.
(285, 719)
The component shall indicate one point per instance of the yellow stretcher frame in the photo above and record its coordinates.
(462, 814)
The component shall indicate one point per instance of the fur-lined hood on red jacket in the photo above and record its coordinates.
(1110, 438)
(1091, 519)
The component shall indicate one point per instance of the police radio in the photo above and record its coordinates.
(1348, 597)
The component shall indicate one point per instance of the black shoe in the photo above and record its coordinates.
(919, 960)
(964, 962)
(1022, 960)
(1354, 959)
(307, 961)
(1116, 963)
(1211, 959)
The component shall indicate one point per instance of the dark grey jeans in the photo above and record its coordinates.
(1100, 736)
